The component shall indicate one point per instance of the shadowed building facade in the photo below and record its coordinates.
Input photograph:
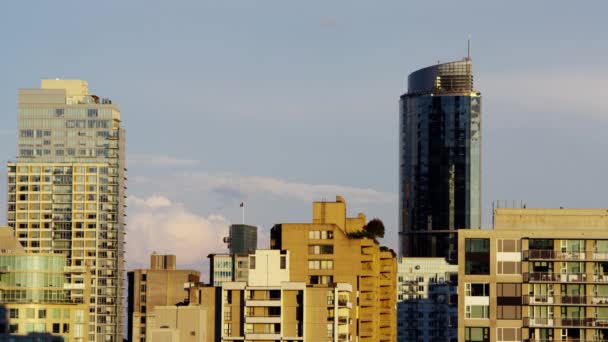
(160, 285)
(440, 159)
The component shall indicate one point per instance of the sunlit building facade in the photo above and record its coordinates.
(539, 275)
(35, 297)
(66, 191)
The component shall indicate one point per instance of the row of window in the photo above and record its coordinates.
(320, 234)
(90, 152)
(320, 264)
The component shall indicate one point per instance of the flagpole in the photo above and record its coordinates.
(243, 206)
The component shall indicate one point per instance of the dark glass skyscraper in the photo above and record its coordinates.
(440, 159)
(243, 239)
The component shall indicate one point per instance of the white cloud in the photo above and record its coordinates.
(159, 160)
(235, 186)
(156, 224)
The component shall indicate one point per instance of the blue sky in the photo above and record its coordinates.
(278, 103)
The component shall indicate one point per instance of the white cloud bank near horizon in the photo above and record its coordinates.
(158, 224)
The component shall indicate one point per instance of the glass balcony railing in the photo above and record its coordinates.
(565, 322)
(541, 254)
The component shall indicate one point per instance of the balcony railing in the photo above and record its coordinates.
(546, 277)
(541, 254)
(566, 322)
(565, 300)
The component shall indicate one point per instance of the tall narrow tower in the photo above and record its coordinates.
(66, 193)
(439, 159)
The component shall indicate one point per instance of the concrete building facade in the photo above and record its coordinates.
(160, 285)
(35, 296)
(427, 300)
(66, 191)
(270, 307)
(540, 275)
(333, 249)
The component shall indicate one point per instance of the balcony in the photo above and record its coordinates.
(540, 322)
(565, 300)
(345, 303)
(547, 277)
(542, 254)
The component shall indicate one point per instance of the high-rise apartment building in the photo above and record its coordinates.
(243, 239)
(36, 303)
(439, 159)
(540, 275)
(427, 300)
(66, 191)
(333, 249)
(160, 285)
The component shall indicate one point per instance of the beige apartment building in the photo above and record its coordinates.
(160, 285)
(269, 307)
(333, 250)
(35, 296)
(539, 275)
(66, 192)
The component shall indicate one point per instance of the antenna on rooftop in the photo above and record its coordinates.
(469, 48)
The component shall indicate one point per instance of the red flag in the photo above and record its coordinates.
(242, 204)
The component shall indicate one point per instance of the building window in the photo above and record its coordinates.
(92, 113)
(508, 300)
(508, 267)
(228, 297)
(477, 311)
(42, 313)
(228, 329)
(227, 313)
(56, 328)
(252, 262)
(13, 313)
(477, 256)
(320, 264)
(477, 290)
(509, 334)
(320, 234)
(509, 245)
(13, 328)
(59, 112)
(142, 320)
(283, 262)
(321, 249)
(320, 280)
(143, 309)
(480, 334)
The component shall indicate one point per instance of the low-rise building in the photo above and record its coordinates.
(160, 285)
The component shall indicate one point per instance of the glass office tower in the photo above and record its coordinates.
(66, 192)
(440, 159)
